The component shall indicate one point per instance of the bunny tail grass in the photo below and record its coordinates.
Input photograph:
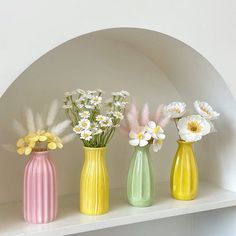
(39, 122)
(52, 113)
(19, 128)
(144, 115)
(61, 127)
(30, 120)
(68, 138)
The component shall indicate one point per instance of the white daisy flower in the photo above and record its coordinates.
(175, 109)
(100, 91)
(96, 100)
(86, 135)
(192, 128)
(91, 91)
(120, 104)
(139, 139)
(115, 94)
(80, 91)
(77, 129)
(84, 114)
(106, 123)
(100, 118)
(155, 130)
(118, 115)
(84, 124)
(125, 93)
(205, 110)
(157, 144)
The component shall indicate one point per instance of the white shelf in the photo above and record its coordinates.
(70, 221)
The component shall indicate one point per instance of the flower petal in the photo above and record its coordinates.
(134, 142)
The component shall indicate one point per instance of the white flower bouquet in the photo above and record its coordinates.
(193, 127)
(85, 110)
(143, 128)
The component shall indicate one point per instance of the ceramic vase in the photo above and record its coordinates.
(140, 183)
(184, 173)
(40, 189)
(94, 182)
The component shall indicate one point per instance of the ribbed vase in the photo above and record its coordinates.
(140, 183)
(40, 189)
(94, 183)
(184, 174)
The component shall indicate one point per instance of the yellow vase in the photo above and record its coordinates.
(94, 183)
(184, 173)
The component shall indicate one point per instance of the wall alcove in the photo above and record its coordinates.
(154, 68)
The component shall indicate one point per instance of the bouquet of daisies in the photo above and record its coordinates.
(144, 128)
(92, 120)
(193, 127)
(39, 134)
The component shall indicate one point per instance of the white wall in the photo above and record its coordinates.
(29, 29)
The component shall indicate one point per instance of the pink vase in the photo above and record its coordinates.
(40, 189)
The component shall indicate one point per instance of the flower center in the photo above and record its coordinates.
(156, 129)
(175, 110)
(194, 126)
(84, 124)
(140, 136)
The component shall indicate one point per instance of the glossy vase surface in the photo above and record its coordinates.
(184, 173)
(40, 189)
(94, 182)
(140, 183)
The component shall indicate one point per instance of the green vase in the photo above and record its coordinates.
(140, 184)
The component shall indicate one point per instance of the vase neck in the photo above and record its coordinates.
(145, 148)
(94, 154)
(183, 143)
(38, 154)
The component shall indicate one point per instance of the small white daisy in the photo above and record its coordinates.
(86, 135)
(84, 114)
(84, 124)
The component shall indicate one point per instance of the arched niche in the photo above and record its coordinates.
(155, 68)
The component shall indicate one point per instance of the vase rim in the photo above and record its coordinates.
(185, 142)
(40, 152)
(95, 148)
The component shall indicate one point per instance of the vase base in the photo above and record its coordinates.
(140, 204)
(184, 197)
(93, 213)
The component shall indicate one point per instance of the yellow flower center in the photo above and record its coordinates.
(156, 129)
(84, 124)
(194, 126)
(175, 110)
(140, 136)
(86, 135)
(77, 129)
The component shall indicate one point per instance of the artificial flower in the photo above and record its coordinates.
(107, 122)
(118, 115)
(96, 100)
(155, 130)
(86, 135)
(205, 110)
(157, 144)
(139, 139)
(77, 129)
(84, 124)
(175, 109)
(84, 114)
(192, 128)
